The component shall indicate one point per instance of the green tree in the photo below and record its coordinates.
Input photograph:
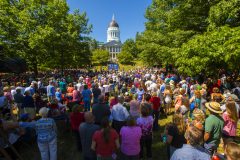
(100, 57)
(130, 47)
(125, 58)
(43, 32)
(195, 36)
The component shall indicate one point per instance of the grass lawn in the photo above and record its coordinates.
(67, 148)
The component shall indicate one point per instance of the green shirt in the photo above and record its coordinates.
(214, 126)
(63, 86)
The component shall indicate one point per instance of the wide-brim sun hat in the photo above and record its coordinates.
(183, 81)
(214, 107)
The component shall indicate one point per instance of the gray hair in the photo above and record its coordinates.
(101, 98)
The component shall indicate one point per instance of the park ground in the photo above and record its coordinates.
(67, 148)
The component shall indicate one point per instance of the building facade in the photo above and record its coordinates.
(113, 44)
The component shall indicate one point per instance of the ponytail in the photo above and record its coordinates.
(106, 129)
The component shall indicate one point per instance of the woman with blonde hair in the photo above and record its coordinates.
(230, 117)
(175, 133)
(216, 96)
(168, 99)
(195, 101)
(181, 100)
(198, 118)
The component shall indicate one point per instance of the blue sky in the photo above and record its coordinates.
(128, 13)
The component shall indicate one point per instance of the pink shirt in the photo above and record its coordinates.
(146, 124)
(130, 140)
(230, 127)
(76, 95)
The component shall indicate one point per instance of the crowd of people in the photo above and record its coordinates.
(113, 115)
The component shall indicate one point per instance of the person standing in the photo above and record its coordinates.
(28, 105)
(213, 127)
(63, 86)
(175, 134)
(86, 130)
(76, 95)
(46, 131)
(135, 107)
(156, 108)
(100, 110)
(76, 118)
(145, 122)
(96, 93)
(192, 150)
(168, 99)
(30, 89)
(119, 114)
(130, 140)
(105, 141)
(58, 95)
(230, 117)
(18, 98)
(50, 91)
(86, 94)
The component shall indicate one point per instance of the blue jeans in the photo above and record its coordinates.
(48, 150)
(87, 105)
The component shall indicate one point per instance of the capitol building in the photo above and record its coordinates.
(113, 44)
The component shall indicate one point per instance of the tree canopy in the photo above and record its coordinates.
(129, 52)
(100, 57)
(44, 33)
(195, 36)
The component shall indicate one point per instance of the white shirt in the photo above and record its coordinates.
(106, 88)
(153, 87)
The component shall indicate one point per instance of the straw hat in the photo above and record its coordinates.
(182, 91)
(204, 86)
(183, 81)
(214, 107)
(171, 82)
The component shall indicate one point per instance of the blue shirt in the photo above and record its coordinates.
(86, 93)
(191, 153)
(28, 102)
(162, 88)
(58, 96)
(50, 90)
(140, 95)
(45, 129)
(30, 89)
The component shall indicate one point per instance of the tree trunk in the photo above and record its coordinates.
(35, 69)
(34, 65)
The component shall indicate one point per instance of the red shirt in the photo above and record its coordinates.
(156, 103)
(76, 119)
(102, 148)
(113, 102)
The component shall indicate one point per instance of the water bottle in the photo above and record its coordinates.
(164, 138)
